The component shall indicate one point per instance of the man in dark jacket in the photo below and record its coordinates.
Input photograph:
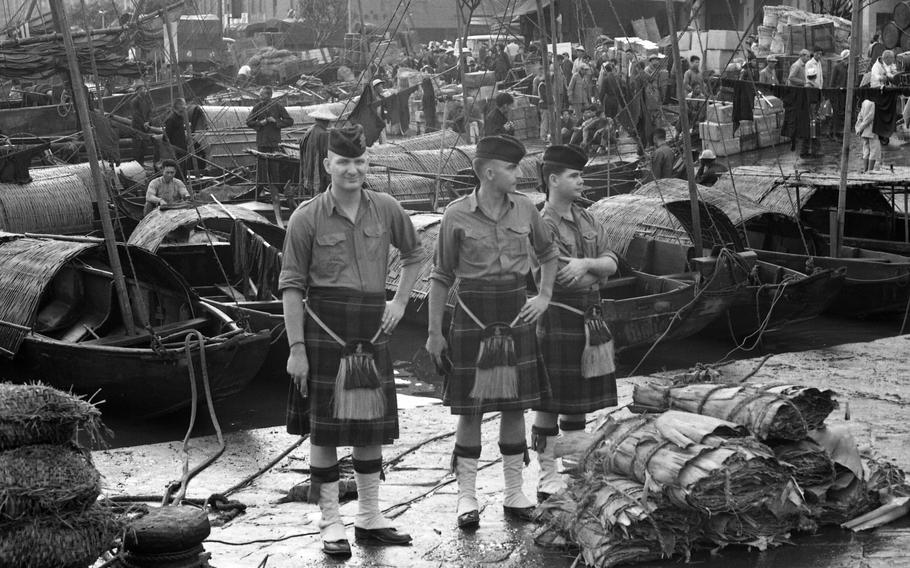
(267, 118)
(175, 132)
(141, 108)
(497, 120)
(839, 99)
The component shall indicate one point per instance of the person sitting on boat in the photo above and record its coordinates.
(487, 241)
(586, 261)
(165, 190)
(497, 120)
(768, 73)
(709, 170)
(332, 281)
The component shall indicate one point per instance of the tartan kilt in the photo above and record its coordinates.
(562, 339)
(491, 302)
(351, 315)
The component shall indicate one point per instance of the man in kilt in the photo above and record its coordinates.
(585, 262)
(486, 241)
(333, 289)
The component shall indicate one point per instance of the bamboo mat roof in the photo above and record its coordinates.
(740, 211)
(27, 266)
(155, 226)
(403, 187)
(430, 141)
(627, 216)
(427, 227)
(59, 205)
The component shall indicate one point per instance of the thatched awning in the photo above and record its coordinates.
(59, 205)
(627, 216)
(427, 227)
(159, 223)
(27, 266)
(431, 141)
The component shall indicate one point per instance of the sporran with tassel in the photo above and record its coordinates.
(496, 374)
(597, 357)
(358, 390)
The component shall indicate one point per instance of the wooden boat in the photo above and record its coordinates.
(655, 236)
(62, 325)
(215, 249)
(871, 216)
(875, 282)
(50, 120)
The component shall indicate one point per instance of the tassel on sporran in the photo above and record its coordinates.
(496, 376)
(358, 390)
(597, 356)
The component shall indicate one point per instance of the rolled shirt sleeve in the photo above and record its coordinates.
(298, 246)
(446, 257)
(541, 237)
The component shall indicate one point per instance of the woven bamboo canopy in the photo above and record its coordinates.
(433, 140)
(158, 224)
(29, 265)
(790, 193)
(61, 205)
(427, 227)
(627, 216)
(743, 212)
(403, 187)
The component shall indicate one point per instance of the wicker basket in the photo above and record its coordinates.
(45, 479)
(73, 540)
(39, 414)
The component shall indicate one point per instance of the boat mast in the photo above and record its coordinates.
(684, 132)
(837, 232)
(556, 131)
(175, 74)
(101, 195)
(551, 88)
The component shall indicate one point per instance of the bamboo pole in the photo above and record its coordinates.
(59, 14)
(837, 232)
(685, 132)
(544, 40)
(557, 75)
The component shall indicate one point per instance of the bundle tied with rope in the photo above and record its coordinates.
(598, 355)
(358, 389)
(496, 374)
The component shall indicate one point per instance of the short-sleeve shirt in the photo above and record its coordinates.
(577, 235)
(472, 245)
(324, 249)
(169, 192)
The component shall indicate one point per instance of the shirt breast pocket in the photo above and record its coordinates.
(518, 243)
(374, 237)
(589, 244)
(329, 254)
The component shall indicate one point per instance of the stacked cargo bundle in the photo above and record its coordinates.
(524, 119)
(278, 64)
(718, 132)
(744, 464)
(791, 30)
(49, 514)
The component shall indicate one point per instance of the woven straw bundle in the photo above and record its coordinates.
(71, 540)
(43, 479)
(767, 415)
(39, 414)
(738, 475)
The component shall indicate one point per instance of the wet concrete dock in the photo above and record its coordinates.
(872, 377)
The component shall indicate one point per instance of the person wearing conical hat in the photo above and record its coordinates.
(489, 357)
(314, 147)
(709, 171)
(336, 259)
(568, 328)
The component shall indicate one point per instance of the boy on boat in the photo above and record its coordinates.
(575, 343)
(491, 355)
(338, 320)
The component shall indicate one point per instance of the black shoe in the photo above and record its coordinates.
(519, 513)
(337, 547)
(469, 520)
(385, 536)
(542, 496)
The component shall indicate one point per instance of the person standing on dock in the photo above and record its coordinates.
(662, 158)
(338, 322)
(267, 118)
(490, 357)
(872, 147)
(576, 345)
(141, 121)
(314, 149)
